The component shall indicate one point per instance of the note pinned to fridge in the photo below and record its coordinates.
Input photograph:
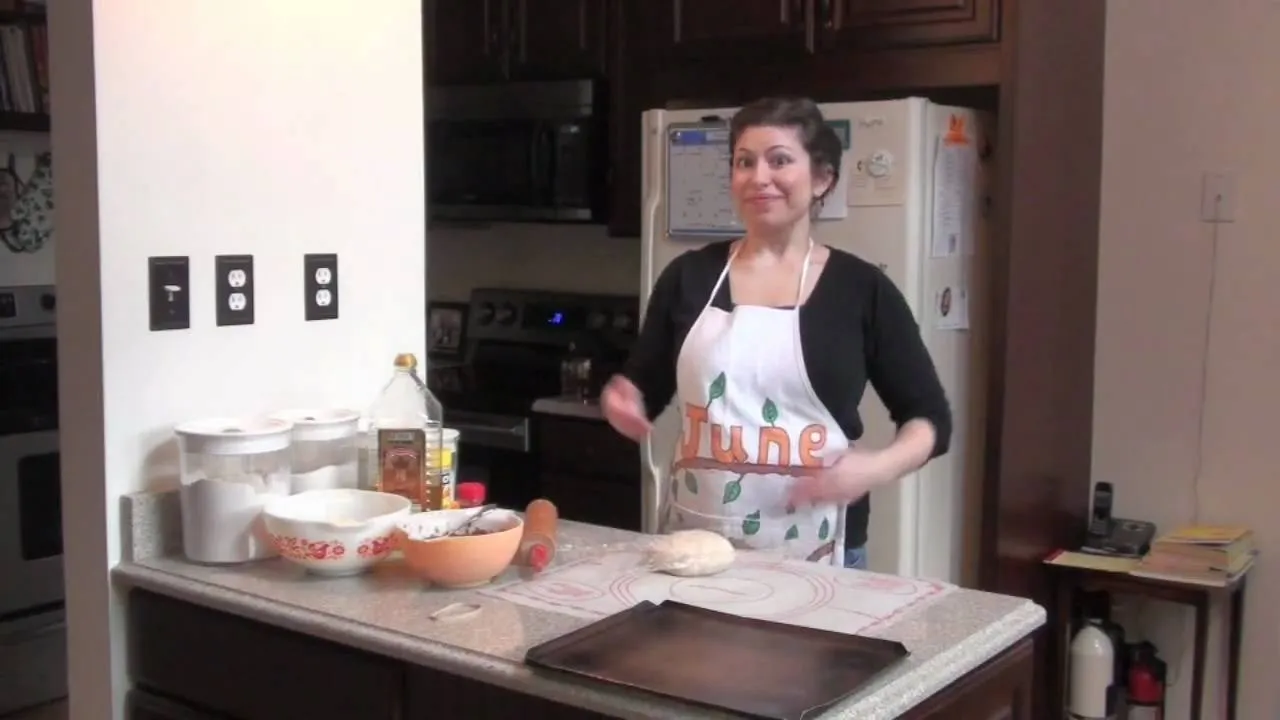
(699, 199)
(835, 206)
(951, 307)
(955, 191)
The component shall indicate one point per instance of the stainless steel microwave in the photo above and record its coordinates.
(523, 152)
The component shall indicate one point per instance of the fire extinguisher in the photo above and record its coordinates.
(1146, 683)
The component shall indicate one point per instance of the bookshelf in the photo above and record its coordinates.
(24, 67)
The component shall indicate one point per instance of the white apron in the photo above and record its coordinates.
(752, 426)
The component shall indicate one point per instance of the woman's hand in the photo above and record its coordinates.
(623, 407)
(855, 474)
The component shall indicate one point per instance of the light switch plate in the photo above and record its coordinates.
(169, 292)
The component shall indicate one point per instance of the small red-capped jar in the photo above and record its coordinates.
(470, 494)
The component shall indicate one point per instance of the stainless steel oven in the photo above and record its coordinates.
(32, 615)
(518, 152)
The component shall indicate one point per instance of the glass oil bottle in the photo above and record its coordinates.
(406, 427)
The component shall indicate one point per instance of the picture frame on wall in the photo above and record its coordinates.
(446, 329)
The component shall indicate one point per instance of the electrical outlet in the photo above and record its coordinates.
(169, 292)
(320, 284)
(233, 289)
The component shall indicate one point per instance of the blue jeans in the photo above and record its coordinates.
(856, 558)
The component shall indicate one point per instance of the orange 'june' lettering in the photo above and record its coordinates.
(735, 453)
(774, 448)
(812, 439)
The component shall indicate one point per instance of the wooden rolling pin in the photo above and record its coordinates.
(538, 545)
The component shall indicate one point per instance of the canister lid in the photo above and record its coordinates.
(320, 425)
(234, 436)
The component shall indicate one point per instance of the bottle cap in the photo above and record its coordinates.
(470, 493)
(406, 360)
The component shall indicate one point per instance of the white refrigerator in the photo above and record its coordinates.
(912, 198)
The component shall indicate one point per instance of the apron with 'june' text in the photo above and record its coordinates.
(752, 426)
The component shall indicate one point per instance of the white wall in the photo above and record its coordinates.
(199, 127)
(571, 258)
(1191, 87)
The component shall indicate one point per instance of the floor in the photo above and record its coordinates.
(52, 711)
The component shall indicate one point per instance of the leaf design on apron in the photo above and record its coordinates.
(793, 533)
(716, 390)
(824, 530)
(769, 412)
(751, 523)
(732, 490)
(691, 483)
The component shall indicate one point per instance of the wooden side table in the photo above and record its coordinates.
(1067, 582)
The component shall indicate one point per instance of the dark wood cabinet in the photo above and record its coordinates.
(465, 41)
(875, 24)
(487, 41)
(250, 671)
(590, 472)
(554, 39)
(192, 663)
(677, 31)
(433, 695)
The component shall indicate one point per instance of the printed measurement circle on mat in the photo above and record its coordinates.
(562, 591)
(886, 584)
(761, 590)
(697, 591)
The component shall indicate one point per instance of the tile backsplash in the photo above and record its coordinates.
(575, 258)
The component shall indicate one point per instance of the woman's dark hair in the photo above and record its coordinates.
(802, 115)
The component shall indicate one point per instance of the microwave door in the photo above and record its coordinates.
(481, 169)
(571, 183)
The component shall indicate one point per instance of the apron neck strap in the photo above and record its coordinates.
(804, 273)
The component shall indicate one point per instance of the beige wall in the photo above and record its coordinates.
(1191, 87)
(576, 258)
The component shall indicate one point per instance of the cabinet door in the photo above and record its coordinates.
(906, 23)
(238, 668)
(557, 39)
(698, 30)
(142, 705)
(465, 41)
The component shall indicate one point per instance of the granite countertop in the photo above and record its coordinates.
(386, 612)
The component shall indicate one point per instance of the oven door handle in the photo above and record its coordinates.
(513, 437)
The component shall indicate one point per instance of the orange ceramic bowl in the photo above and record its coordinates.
(459, 561)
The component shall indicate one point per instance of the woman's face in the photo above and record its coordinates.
(773, 178)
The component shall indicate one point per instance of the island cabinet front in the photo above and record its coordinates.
(230, 667)
(432, 695)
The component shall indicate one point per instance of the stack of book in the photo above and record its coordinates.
(1203, 555)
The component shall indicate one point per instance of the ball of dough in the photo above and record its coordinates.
(691, 553)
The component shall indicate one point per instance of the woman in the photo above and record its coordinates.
(767, 344)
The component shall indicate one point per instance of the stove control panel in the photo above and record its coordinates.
(27, 306)
(553, 318)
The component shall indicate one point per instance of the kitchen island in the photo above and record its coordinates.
(266, 641)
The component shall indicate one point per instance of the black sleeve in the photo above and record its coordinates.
(652, 363)
(899, 366)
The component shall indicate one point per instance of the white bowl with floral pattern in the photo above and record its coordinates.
(335, 532)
